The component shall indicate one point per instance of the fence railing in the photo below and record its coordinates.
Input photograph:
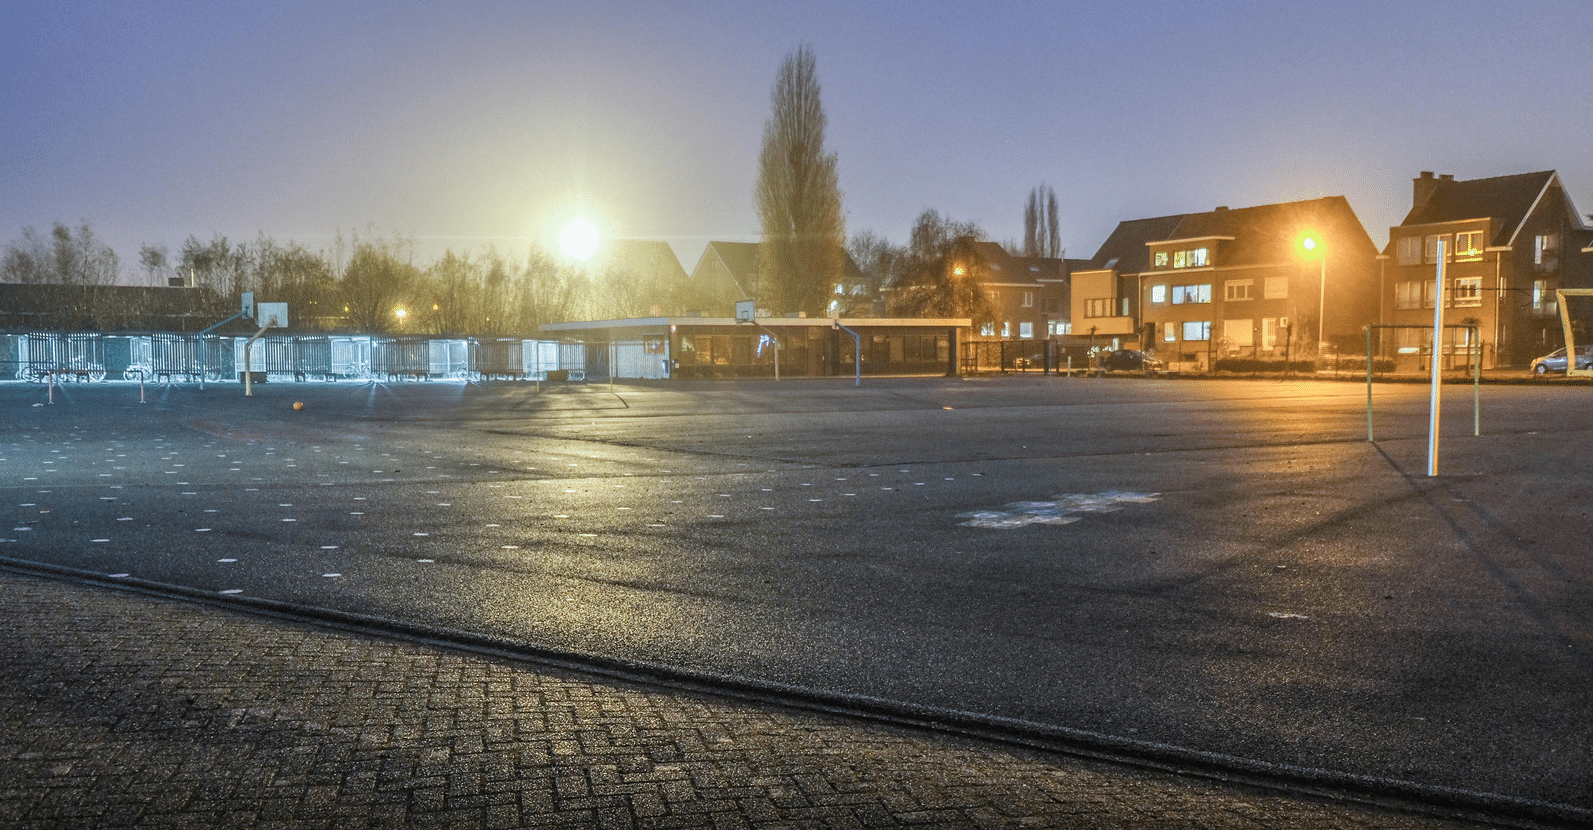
(57, 357)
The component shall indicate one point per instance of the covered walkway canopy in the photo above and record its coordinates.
(708, 347)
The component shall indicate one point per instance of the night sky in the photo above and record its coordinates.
(471, 124)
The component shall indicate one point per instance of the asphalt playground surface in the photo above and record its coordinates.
(1215, 574)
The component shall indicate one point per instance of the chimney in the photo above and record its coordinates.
(1423, 187)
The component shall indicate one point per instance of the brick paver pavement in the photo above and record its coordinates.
(119, 709)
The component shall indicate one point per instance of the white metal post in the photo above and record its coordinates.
(1321, 309)
(1438, 334)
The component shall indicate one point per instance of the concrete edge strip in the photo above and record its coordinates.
(1384, 793)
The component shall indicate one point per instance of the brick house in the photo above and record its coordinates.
(728, 271)
(1510, 241)
(1030, 295)
(1197, 287)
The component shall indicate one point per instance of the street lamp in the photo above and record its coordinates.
(1310, 244)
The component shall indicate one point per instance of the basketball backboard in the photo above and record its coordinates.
(272, 315)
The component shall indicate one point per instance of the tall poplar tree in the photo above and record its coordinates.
(798, 196)
(1041, 235)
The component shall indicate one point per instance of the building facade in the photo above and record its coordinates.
(1270, 282)
(1509, 243)
(1030, 296)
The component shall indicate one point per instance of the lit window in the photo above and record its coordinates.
(1468, 291)
(1158, 294)
(1275, 288)
(1237, 290)
(987, 329)
(1197, 330)
(1006, 329)
(1543, 250)
(1543, 298)
(1028, 299)
(1160, 258)
(1180, 259)
(1026, 331)
(1197, 258)
(1468, 244)
(1058, 327)
(1170, 332)
(1184, 294)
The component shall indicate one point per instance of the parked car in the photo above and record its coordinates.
(1131, 360)
(1555, 361)
(1033, 361)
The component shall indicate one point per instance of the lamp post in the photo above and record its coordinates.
(1310, 244)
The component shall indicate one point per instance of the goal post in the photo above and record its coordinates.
(1375, 346)
(1560, 297)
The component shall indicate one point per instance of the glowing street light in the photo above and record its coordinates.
(578, 239)
(1310, 244)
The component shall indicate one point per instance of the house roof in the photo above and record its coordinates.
(1126, 248)
(648, 257)
(1261, 234)
(1005, 267)
(104, 307)
(1508, 199)
(741, 260)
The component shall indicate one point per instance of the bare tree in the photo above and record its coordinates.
(68, 256)
(878, 260)
(297, 276)
(939, 275)
(218, 265)
(551, 291)
(378, 282)
(157, 265)
(798, 195)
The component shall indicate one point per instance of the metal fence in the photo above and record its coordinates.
(165, 358)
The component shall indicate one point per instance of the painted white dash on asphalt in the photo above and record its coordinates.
(232, 591)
